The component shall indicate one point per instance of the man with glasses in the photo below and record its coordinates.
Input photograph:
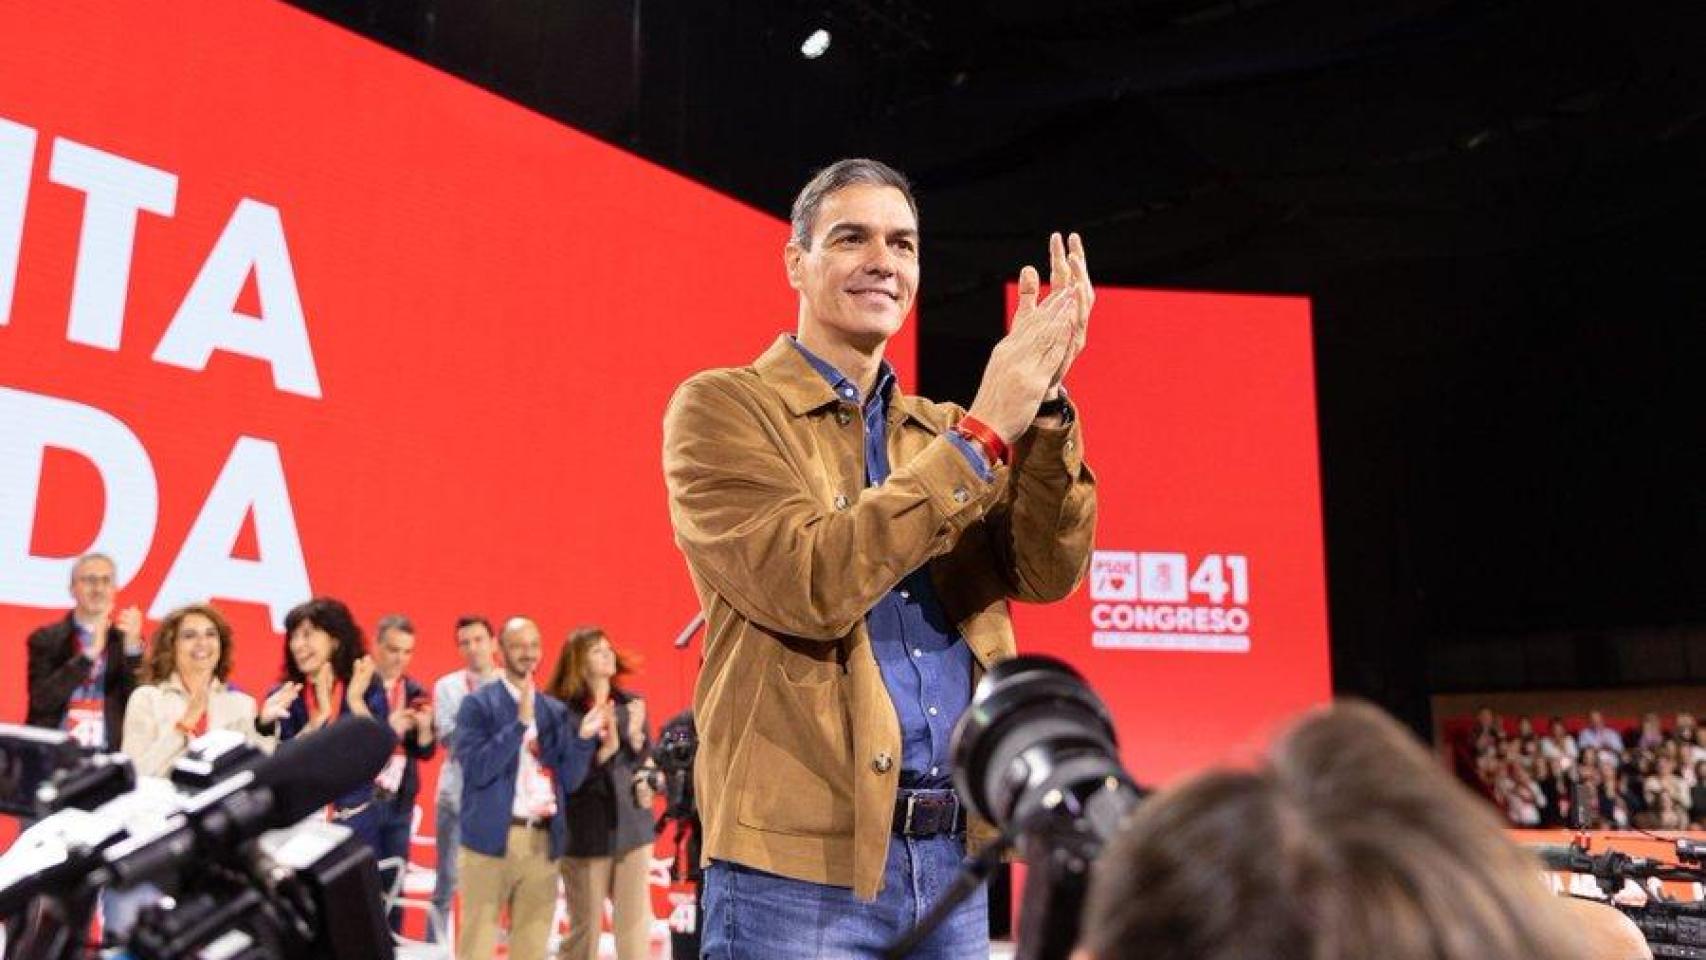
(82, 668)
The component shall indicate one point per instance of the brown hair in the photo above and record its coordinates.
(161, 661)
(568, 677)
(1349, 842)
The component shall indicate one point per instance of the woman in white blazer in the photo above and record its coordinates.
(183, 692)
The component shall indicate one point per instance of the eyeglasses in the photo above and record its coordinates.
(95, 579)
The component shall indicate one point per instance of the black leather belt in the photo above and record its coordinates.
(531, 823)
(927, 813)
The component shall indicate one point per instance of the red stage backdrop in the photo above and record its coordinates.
(1203, 621)
(285, 313)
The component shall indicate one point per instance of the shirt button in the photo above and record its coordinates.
(931, 711)
(847, 392)
(841, 501)
(843, 416)
(960, 495)
(906, 594)
(882, 762)
(934, 771)
(917, 652)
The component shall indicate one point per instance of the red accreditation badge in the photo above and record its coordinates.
(86, 721)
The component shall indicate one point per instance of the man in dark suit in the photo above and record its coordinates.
(82, 668)
(520, 760)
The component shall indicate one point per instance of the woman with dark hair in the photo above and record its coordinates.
(327, 674)
(610, 820)
(183, 693)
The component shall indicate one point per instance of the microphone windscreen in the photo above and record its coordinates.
(309, 772)
(1561, 857)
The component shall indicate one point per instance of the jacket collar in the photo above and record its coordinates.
(175, 682)
(804, 390)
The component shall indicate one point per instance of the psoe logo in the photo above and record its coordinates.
(1162, 600)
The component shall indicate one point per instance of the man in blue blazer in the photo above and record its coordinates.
(520, 760)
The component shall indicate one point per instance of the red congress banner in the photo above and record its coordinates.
(1203, 621)
(284, 313)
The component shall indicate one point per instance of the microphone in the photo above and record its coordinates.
(304, 775)
(1563, 858)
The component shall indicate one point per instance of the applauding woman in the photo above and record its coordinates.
(610, 817)
(328, 674)
(183, 692)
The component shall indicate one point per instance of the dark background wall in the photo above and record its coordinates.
(1496, 208)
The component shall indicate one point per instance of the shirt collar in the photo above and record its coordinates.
(784, 367)
(844, 388)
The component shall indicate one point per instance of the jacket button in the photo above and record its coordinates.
(882, 763)
(843, 416)
(960, 495)
(841, 501)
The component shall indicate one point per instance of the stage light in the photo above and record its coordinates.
(815, 44)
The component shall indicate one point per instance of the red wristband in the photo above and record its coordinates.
(985, 436)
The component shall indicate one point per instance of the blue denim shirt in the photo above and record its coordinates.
(925, 664)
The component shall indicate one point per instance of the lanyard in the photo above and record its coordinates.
(312, 699)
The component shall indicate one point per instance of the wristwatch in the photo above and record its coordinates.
(1058, 407)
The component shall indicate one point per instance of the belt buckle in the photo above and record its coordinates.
(911, 805)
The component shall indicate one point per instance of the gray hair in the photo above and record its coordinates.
(88, 558)
(393, 621)
(837, 176)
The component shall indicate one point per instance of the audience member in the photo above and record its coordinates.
(520, 759)
(1348, 843)
(1559, 746)
(409, 712)
(610, 819)
(82, 668)
(1597, 734)
(476, 646)
(327, 674)
(184, 692)
(182, 695)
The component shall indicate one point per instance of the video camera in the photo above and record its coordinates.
(1671, 928)
(245, 871)
(1035, 754)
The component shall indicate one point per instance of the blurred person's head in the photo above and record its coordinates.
(318, 634)
(1590, 757)
(476, 643)
(522, 648)
(193, 642)
(1559, 731)
(1596, 719)
(1348, 842)
(1666, 766)
(393, 646)
(1484, 717)
(587, 662)
(1524, 727)
(1650, 721)
(94, 584)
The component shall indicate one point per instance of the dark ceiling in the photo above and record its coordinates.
(1494, 205)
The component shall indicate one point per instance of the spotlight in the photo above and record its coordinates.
(815, 44)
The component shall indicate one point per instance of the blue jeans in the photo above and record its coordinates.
(447, 830)
(753, 914)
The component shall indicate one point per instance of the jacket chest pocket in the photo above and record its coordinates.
(837, 444)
